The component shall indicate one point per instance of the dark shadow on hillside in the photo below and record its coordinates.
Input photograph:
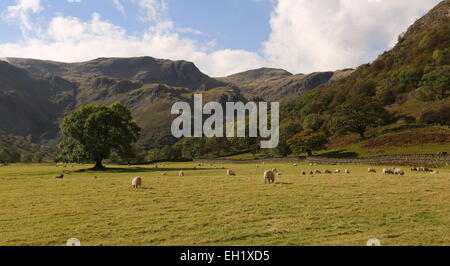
(141, 170)
(339, 154)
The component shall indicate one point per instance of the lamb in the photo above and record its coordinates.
(328, 172)
(295, 165)
(303, 173)
(311, 172)
(347, 171)
(372, 170)
(269, 177)
(137, 182)
(231, 173)
(317, 172)
(59, 176)
(181, 173)
(337, 171)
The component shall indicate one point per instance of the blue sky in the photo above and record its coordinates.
(221, 36)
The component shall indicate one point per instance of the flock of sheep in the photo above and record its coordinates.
(270, 175)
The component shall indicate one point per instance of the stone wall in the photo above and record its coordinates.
(394, 160)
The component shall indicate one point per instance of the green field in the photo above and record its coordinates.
(206, 207)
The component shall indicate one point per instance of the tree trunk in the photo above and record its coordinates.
(98, 164)
(362, 134)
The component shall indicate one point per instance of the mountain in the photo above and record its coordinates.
(147, 70)
(278, 85)
(31, 106)
(36, 94)
(146, 85)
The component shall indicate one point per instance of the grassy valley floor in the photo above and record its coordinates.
(206, 207)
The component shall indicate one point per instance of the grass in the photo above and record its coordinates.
(206, 207)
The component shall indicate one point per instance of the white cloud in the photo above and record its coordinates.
(118, 5)
(306, 36)
(331, 34)
(21, 12)
(99, 38)
(152, 10)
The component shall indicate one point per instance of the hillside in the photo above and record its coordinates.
(32, 106)
(147, 70)
(146, 85)
(404, 80)
(279, 85)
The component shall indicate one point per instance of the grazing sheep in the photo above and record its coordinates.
(398, 171)
(269, 177)
(317, 172)
(372, 170)
(434, 172)
(231, 173)
(303, 173)
(279, 174)
(164, 174)
(414, 169)
(328, 172)
(181, 173)
(295, 165)
(337, 171)
(137, 182)
(311, 172)
(94, 178)
(59, 176)
(347, 171)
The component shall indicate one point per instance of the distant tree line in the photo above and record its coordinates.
(12, 156)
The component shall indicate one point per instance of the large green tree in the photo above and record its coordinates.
(308, 141)
(93, 132)
(437, 81)
(358, 115)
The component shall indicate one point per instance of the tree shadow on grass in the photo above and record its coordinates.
(339, 154)
(283, 183)
(140, 170)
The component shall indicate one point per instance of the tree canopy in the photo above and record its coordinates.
(93, 132)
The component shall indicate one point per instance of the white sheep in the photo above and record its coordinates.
(434, 172)
(337, 171)
(269, 177)
(347, 171)
(181, 173)
(59, 176)
(137, 182)
(231, 173)
(398, 171)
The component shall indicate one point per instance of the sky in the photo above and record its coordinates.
(221, 37)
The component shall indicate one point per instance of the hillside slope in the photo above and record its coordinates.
(397, 80)
(279, 85)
